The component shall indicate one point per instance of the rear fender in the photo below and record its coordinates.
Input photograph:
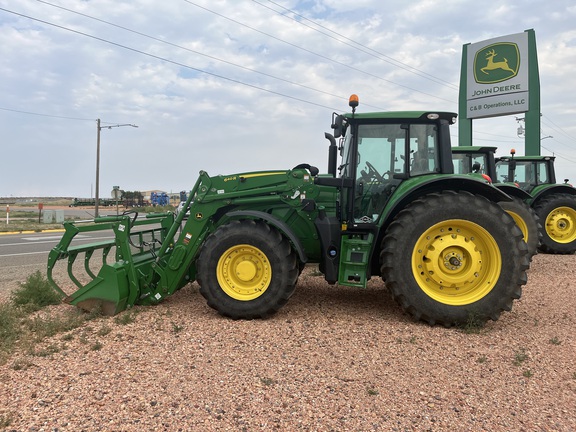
(514, 191)
(547, 190)
(411, 191)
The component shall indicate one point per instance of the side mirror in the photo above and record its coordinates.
(337, 125)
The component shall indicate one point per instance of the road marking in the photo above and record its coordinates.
(58, 237)
(84, 238)
(24, 253)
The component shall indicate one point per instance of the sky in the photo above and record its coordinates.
(230, 86)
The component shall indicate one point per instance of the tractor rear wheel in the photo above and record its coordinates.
(558, 217)
(452, 258)
(528, 222)
(247, 269)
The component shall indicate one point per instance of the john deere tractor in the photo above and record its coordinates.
(480, 160)
(389, 206)
(555, 204)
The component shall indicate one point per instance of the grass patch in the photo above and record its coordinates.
(24, 324)
(35, 293)
(520, 357)
(267, 381)
(176, 328)
(5, 420)
(125, 318)
(555, 341)
(9, 327)
(372, 391)
(474, 323)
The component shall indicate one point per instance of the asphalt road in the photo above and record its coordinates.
(23, 254)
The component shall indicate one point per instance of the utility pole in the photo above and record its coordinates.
(97, 194)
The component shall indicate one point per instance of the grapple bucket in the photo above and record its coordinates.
(117, 284)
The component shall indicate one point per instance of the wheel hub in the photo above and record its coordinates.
(244, 272)
(456, 262)
(561, 225)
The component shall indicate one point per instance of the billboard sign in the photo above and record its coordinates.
(497, 76)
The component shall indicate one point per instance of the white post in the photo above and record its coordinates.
(7, 214)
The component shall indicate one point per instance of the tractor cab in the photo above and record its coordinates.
(528, 172)
(379, 151)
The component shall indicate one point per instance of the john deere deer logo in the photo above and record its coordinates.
(496, 63)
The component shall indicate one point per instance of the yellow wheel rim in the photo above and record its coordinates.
(521, 224)
(561, 225)
(244, 272)
(456, 262)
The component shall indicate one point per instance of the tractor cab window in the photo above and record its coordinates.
(381, 154)
(469, 163)
(502, 173)
(529, 173)
(387, 153)
(423, 155)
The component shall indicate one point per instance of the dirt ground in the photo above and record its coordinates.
(333, 359)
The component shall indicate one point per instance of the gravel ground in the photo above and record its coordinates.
(333, 359)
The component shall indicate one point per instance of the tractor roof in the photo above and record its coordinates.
(474, 149)
(528, 158)
(404, 115)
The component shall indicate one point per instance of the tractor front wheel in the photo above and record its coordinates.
(558, 217)
(246, 270)
(451, 258)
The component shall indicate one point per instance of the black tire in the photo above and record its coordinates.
(557, 215)
(453, 258)
(247, 270)
(528, 222)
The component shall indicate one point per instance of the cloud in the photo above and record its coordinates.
(230, 86)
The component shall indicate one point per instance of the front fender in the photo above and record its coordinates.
(275, 222)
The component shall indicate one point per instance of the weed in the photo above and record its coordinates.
(555, 341)
(96, 346)
(67, 337)
(267, 381)
(316, 272)
(21, 364)
(574, 375)
(35, 293)
(104, 330)
(474, 324)
(482, 359)
(520, 357)
(413, 339)
(125, 318)
(177, 328)
(5, 420)
(45, 352)
(527, 373)
(372, 391)
(9, 326)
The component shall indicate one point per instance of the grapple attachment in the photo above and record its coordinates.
(116, 285)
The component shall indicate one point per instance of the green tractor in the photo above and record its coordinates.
(555, 204)
(391, 207)
(480, 160)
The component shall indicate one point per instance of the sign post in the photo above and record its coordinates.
(7, 214)
(40, 207)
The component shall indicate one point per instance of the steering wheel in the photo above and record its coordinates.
(373, 173)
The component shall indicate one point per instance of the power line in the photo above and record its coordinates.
(317, 54)
(171, 61)
(45, 115)
(199, 53)
(358, 46)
